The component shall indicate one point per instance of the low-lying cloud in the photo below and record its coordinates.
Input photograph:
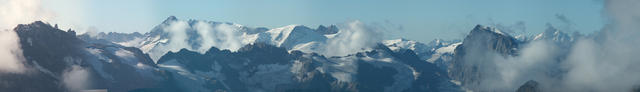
(353, 37)
(199, 36)
(606, 61)
(223, 36)
(10, 52)
(536, 61)
(179, 38)
(14, 12)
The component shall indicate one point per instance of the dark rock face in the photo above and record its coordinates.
(529, 86)
(47, 45)
(374, 79)
(476, 53)
(50, 53)
(43, 46)
(327, 30)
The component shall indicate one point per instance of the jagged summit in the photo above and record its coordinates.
(481, 41)
(487, 37)
(332, 29)
(480, 27)
(40, 25)
(227, 56)
(36, 23)
(292, 35)
(47, 33)
(298, 27)
(170, 19)
(51, 53)
(554, 34)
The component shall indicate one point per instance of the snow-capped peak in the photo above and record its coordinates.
(554, 35)
(481, 28)
(402, 43)
(292, 35)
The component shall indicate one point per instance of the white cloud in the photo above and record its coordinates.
(10, 52)
(178, 32)
(353, 37)
(506, 73)
(76, 78)
(603, 62)
(14, 12)
(222, 36)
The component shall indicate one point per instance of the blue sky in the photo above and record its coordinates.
(422, 20)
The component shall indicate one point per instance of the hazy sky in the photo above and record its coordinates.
(422, 20)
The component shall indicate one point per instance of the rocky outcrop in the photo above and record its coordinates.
(529, 86)
(473, 57)
(327, 30)
(52, 57)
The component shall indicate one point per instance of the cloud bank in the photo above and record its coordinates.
(606, 61)
(14, 12)
(178, 39)
(10, 52)
(609, 61)
(353, 37)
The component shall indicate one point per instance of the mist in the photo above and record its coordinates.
(608, 61)
(353, 37)
(222, 36)
(76, 78)
(10, 52)
(605, 61)
(179, 37)
(12, 13)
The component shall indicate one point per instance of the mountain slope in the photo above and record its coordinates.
(174, 34)
(256, 67)
(472, 59)
(438, 51)
(58, 61)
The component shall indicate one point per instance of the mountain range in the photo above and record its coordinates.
(206, 56)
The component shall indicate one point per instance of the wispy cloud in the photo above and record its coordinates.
(76, 78)
(563, 19)
(608, 61)
(12, 13)
(353, 37)
(222, 36)
(179, 37)
(603, 62)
